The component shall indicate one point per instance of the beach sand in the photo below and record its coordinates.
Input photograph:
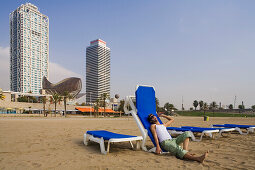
(57, 143)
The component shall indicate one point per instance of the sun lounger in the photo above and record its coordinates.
(249, 128)
(145, 105)
(101, 136)
(203, 131)
(221, 130)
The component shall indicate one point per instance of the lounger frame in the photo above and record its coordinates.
(221, 130)
(248, 130)
(133, 112)
(101, 141)
(226, 130)
(204, 133)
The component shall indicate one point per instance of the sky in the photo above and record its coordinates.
(188, 50)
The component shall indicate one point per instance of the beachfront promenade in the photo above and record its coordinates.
(20, 106)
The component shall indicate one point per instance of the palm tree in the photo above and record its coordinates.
(49, 108)
(66, 95)
(28, 97)
(157, 105)
(29, 111)
(201, 104)
(213, 105)
(55, 98)
(195, 104)
(169, 107)
(44, 100)
(205, 107)
(96, 108)
(121, 106)
(104, 96)
(240, 107)
(230, 106)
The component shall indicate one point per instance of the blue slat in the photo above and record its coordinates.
(184, 129)
(240, 126)
(107, 135)
(192, 127)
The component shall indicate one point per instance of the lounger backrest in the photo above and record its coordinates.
(145, 105)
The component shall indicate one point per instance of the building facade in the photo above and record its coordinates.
(97, 70)
(29, 49)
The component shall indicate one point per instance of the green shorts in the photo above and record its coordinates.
(173, 145)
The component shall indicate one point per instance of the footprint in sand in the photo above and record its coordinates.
(36, 164)
(156, 161)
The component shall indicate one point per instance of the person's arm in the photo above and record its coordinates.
(154, 133)
(169, 118)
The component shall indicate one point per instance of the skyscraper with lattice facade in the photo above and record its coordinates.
(97, 70)
(29, 49)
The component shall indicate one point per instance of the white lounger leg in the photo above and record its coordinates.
(220, 134)
(240, 131)
(200, 139)
(88, 137)
(251, 129)
(138, 145)
(152, 150)
(131, 144)
(210, 134)
(85, 139)
(143, 143)
(102, 147)
(194, 138)
(108, 146)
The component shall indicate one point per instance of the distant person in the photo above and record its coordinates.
(164, 140)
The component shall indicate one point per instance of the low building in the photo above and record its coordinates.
(17, 102)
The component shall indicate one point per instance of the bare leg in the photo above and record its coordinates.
(194, 158)
(186, 144)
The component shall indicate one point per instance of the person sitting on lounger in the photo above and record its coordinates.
(164, 140)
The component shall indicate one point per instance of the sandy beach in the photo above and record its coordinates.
(57, 143)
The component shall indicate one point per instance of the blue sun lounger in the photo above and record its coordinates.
(101, 136)
(145, 104)
(249, 128)
(221, 130)
(203, 131)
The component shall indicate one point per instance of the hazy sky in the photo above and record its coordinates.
(201, 50)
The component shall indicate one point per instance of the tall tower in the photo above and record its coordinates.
(97, 70)
(29, 49)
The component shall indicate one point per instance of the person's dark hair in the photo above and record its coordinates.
(150, 116)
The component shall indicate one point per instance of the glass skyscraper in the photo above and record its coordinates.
(29, 49)
(97, 70)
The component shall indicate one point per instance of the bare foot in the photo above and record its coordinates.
(202, 158)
